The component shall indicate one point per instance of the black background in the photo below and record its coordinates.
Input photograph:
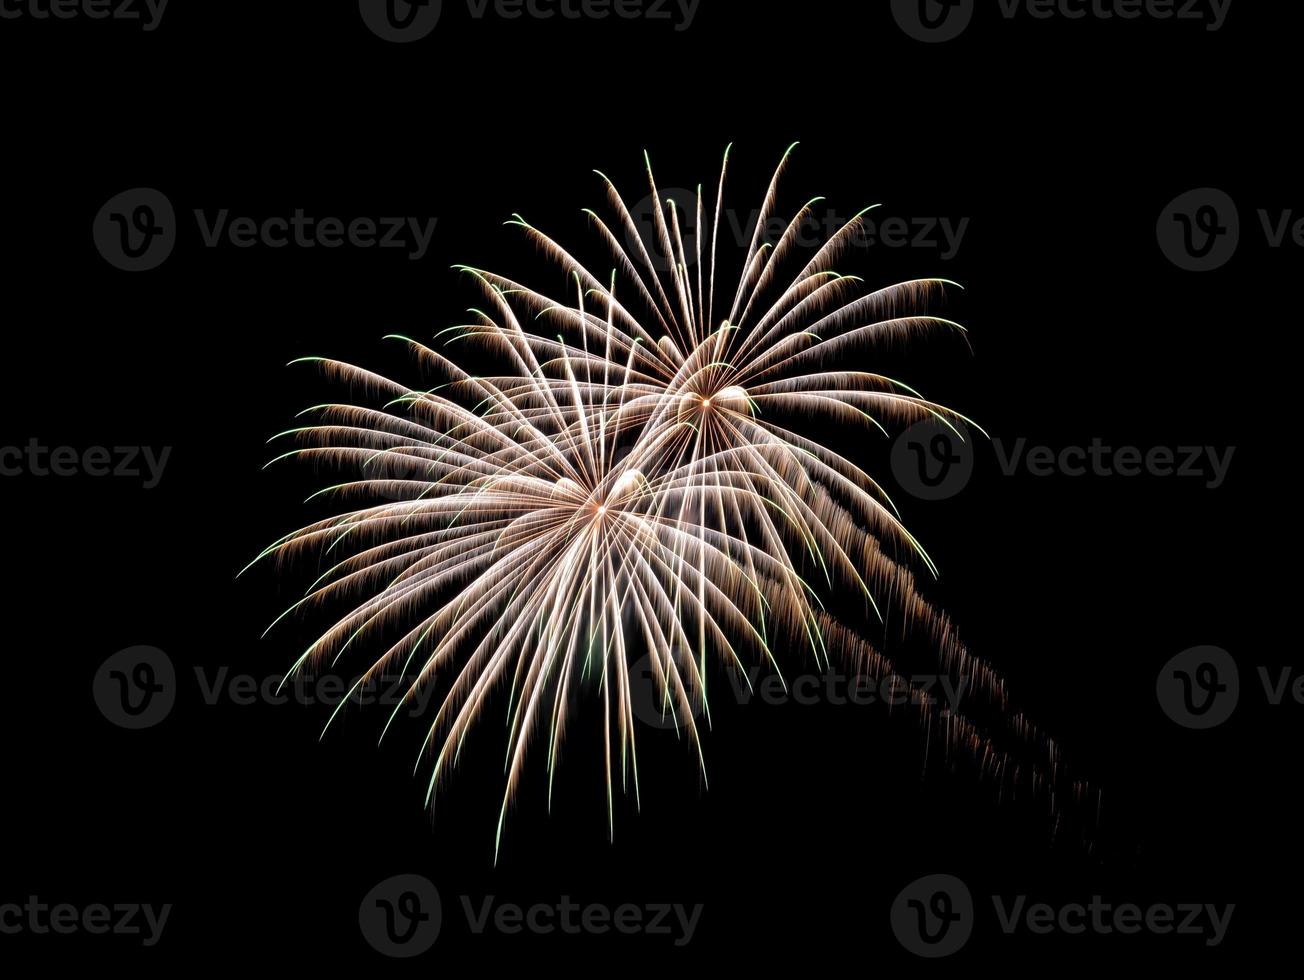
(1061, 141)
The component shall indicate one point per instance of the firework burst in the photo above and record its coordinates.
(634, 482)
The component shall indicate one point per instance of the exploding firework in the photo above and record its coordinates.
(637, 479)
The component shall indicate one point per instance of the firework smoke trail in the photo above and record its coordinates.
(634, 482)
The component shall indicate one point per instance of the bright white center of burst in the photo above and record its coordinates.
(602, 508)
(706, 402)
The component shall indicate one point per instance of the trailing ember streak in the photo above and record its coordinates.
(634, 484)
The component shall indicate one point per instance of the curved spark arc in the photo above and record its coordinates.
(633, 482)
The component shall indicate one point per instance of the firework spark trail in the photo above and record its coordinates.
(633, 482)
